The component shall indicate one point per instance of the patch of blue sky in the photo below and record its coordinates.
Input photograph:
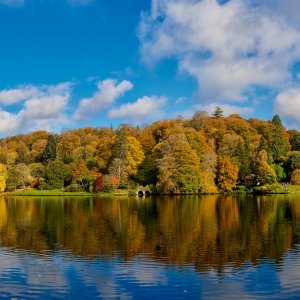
(54, 41)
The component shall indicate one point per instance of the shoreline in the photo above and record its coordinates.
(263, 190)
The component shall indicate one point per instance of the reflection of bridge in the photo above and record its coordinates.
(142, 193)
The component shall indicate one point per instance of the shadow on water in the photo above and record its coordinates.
(207, 232)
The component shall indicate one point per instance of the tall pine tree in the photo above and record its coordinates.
(50, 149)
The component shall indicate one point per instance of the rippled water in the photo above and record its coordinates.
(171, 247)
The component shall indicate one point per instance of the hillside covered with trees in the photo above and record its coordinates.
(204, 154)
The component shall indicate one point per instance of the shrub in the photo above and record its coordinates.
(295, 178)
(76, 188)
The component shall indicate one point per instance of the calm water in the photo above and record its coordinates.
(172, 247)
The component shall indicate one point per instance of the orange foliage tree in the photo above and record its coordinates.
(227, 174)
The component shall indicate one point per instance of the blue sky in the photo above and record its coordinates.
(75, 63)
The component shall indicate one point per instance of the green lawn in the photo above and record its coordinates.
(294, 189)
(280, 189)
(33, 192)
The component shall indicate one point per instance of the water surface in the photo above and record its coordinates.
(168, 247)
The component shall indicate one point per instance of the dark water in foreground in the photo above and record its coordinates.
(165, 248)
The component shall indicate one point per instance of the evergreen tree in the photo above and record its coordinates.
(147, 172)
(244, 159)
(276, 121)
(295, 141)
(56, 174)
(280, 144)
(218, 113)
(119, 145)
(50, 149)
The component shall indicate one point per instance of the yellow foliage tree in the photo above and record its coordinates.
(135, 154)
(295, 178)
(3, 177)
(2, 184)
(127, 155)
(227, 174)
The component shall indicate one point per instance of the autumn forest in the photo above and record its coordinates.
(204, 154)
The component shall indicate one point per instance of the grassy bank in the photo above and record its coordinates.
(278, 189)
(33, 192)
(267, 189)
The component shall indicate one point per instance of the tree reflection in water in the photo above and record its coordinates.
(208, 232)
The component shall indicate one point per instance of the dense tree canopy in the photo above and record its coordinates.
(203, 154)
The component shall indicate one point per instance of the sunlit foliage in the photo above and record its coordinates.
(176, 155)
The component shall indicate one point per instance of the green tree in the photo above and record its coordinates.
(279, 170)
(19, 176)
(119, 146)
(37, 170)
(178, 165)
(218, 113)
(42, 183)
(147, 171)
(231, 145)
(56, 173)
(292, 163)
(244, 158)
(264, 172)
(280, 142)
(295, 141)
(49, 154)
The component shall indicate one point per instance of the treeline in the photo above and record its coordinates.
(205, 154)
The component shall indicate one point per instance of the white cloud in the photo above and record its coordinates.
(43, 107)
(227, 48)
(22, 93)
(108, 92)
(289, 9)
(8, 122)
(287, 105)
(143, 109)
(180, 100)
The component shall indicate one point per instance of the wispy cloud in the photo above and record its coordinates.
(142, 110)
(19, 94)
(287, 104)
(42, 107)
(108, 92)
(228, 48)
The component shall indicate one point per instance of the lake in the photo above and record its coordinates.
(186, 247)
